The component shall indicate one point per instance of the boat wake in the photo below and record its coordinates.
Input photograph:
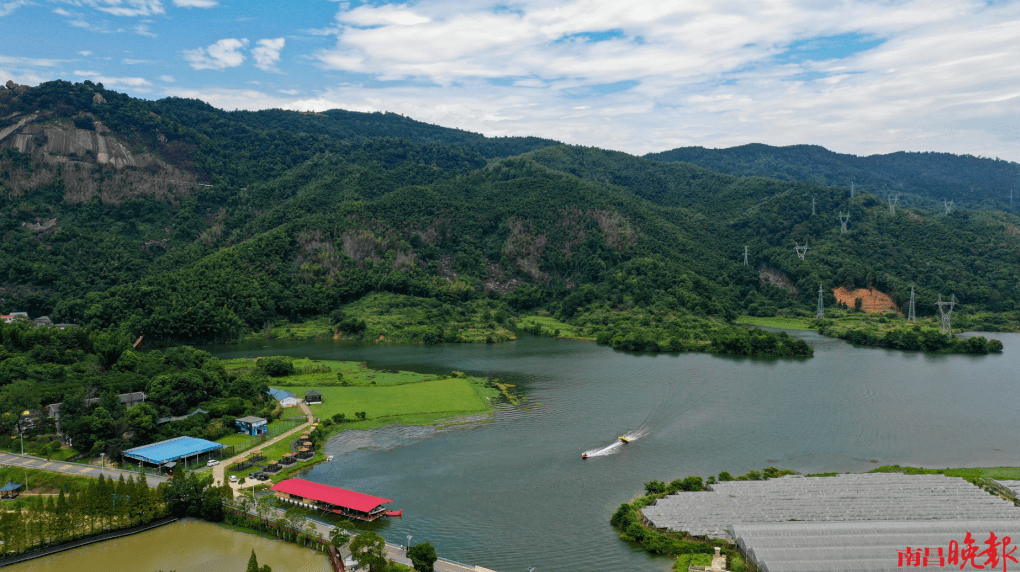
(615, 446)
(664, 412)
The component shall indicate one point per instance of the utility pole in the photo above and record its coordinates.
(745, 255)
(911, 314)
(892, 203)
(801, 250)
(843, 219)
(946, 314)
(948, 205)
(812, 206)
(820, 314)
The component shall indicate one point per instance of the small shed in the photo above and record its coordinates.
(313, 396)
(251, 425)
(10, 490)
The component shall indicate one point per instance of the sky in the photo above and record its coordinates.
(855, 76)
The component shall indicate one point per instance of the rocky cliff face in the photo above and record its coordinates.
(89, 162)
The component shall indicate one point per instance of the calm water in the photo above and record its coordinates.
(184, 546)
(515, 493)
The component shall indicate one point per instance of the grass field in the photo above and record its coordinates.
(778, 322)
(438, 396)
(551, 325)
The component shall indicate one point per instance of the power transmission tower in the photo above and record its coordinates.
(812, 206)
(851, 189)
(946, 314)
(892, 203)
(801, 250)
(745, 255)
(948, 205)
(821, 306)
(843, 219)
(911, 314)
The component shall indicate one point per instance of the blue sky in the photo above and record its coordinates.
(855, 76)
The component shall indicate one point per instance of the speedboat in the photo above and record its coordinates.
(584, 455)
(624, 439)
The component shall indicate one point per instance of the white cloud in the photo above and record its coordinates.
(288, 91)
(7, 7)
(267, 53)
(127, 8)
(167, 78)
(195, 3)
(223, 54)
(698, 72)
(85, 53)
(135, 82)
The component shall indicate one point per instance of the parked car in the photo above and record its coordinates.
(212, 463)
(233, 478)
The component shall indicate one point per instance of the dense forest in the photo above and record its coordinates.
(183, 223)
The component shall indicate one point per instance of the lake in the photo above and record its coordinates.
(515, 493)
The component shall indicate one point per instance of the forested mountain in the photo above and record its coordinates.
(177, 221)
(972, 182)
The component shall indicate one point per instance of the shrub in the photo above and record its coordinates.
(276, 366)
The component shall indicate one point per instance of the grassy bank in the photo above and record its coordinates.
(551, 327)
(972, 474)
(395, 318)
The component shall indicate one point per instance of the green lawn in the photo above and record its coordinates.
(440, 396)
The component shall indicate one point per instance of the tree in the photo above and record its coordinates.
(338, 537)
(423, 556)
(368, 549)
(253, 564)
(655, 487)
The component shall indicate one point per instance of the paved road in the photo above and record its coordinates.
(219, 471)
(79, 469)
(393, 552)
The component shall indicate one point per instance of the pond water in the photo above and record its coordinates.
(515, 493)
(184, 546)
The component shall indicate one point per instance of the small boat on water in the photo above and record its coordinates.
(329, 458)
(624, 439)
(584, 455)
(394, 512)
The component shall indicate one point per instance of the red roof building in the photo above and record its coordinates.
(324, 497)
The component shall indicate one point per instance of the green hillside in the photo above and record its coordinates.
(184, 223)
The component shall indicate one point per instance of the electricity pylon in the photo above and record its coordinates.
(801, 250)
(892, 203)
(745, 255)
(946, 314)
(911, 314)
(812, 206)
(851, 189)
(843, 219)
(948, 205)
(820, 314)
